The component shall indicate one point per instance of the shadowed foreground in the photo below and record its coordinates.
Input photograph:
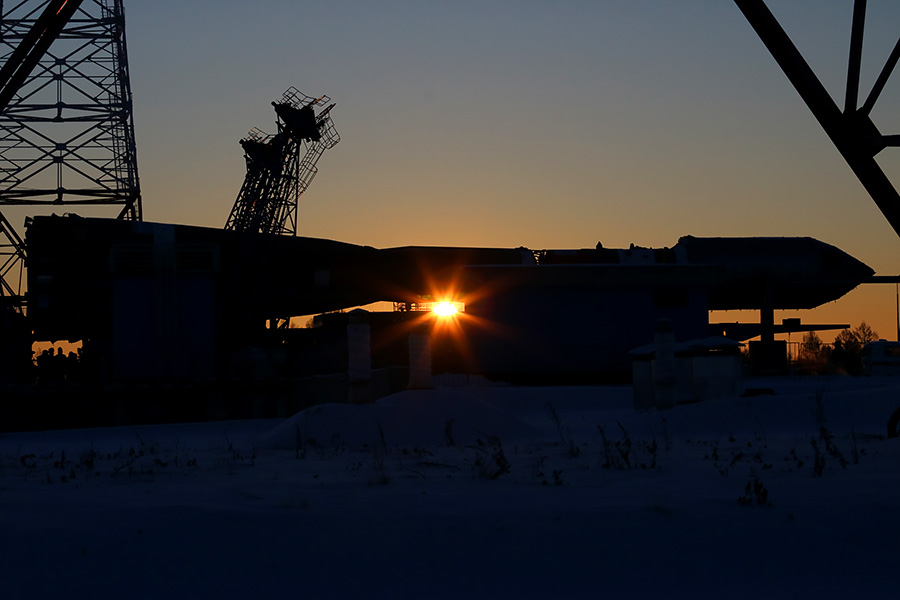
(573, 495)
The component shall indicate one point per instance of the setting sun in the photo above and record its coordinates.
(444, 309)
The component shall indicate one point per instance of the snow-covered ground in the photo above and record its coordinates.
(502, 492)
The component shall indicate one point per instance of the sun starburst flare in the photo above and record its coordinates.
(444, 309)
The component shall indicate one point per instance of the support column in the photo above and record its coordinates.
(767, 318)
(768, 356)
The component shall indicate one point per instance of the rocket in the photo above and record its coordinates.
(81, 270)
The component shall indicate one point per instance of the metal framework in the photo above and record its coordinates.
(280, 167)
(12, 257)
(66, 127)
(851, 129)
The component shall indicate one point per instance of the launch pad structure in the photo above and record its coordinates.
(165, 302)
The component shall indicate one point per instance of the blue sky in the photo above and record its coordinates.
(501, 123)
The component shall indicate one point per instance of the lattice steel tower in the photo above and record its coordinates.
(281, 166)
(66, 128)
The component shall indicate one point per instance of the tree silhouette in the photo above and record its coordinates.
(848, 341)
(864, 334)
(811, 346)
(848, 347)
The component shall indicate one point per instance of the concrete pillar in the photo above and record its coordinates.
(767, 317)
(768, 355)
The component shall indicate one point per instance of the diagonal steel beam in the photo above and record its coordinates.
(856, 44)
(14, 249)
(882, 80)
(853, 134)
(29, 52)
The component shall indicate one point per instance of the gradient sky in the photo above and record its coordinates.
(510, 123)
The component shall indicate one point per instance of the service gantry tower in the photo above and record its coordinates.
(281, 166)
(66, 127)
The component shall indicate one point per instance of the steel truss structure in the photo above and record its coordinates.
(851, 129)
(66, 127)
(280, 167)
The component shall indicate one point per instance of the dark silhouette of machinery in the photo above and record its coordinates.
(66, 128)
(186, 300)
(280, 167)
(180, 280)
(175, 304)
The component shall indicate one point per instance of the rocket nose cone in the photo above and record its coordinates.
(841, 266)
(863, 270)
